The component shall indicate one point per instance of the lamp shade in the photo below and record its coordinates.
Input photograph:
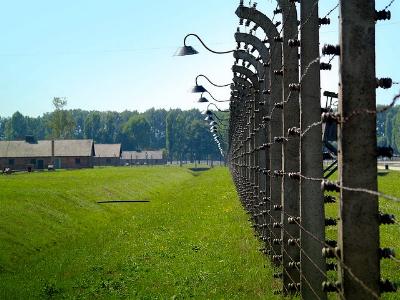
(185, 50)
(198, 89)
(202, 100)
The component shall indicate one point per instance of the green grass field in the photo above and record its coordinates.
(390, 234)
(192, 239)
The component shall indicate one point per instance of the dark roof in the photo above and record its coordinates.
(62, 148)
(107, 150)
(157, 154)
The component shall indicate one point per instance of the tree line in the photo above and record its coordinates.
(184, 135)
(388, 127)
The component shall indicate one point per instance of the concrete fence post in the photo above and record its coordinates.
(311, 198)
(248, 74)
(274, 125)
(359, 223)
(291, 156)
(259, 138)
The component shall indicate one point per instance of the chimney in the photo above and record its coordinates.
(52, 152)
(30, 139)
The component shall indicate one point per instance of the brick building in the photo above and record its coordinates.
(107, 154)
(63, 154)
(143, 157)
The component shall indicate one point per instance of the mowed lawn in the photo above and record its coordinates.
(192, 239)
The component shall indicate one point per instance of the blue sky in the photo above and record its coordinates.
(117, 55)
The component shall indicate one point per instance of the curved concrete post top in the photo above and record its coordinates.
(241, 82)
(256, 43)
(245, 56)
(235, 100)
(290, 23)
(249, 74)
(257, 17)
(244, 89)
(239, 90)
(238, 94)
(287, 5)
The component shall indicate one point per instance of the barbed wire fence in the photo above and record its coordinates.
(275, 147)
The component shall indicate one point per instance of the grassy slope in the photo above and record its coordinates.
(192, 239)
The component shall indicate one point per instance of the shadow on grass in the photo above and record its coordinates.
(199, 169)
(124, 201)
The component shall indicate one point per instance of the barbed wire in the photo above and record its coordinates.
(279, 32)
(355, 113)
(310, 285)
(301, 80)
(312, 62)
(395, 259)
(290, 277)
(302, 250)
(389, 5)
(338, 258)
(332, 10)
(307, 67)
(273, 17)
(283, 248)
(330, 60)
(275, 44)
(302, 133)
(338, 119)
(394, 100)
(339, 186)
(301, 25)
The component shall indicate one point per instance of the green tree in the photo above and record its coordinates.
(169, 133)
(2, 125)
(157, 121)
(199, 140)
(109, 132)
(15, 128)
(92, 126)
(36, 127)
(137, 132)
(62, 124)
(183, 134)
(79, 117)
(395, 130)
